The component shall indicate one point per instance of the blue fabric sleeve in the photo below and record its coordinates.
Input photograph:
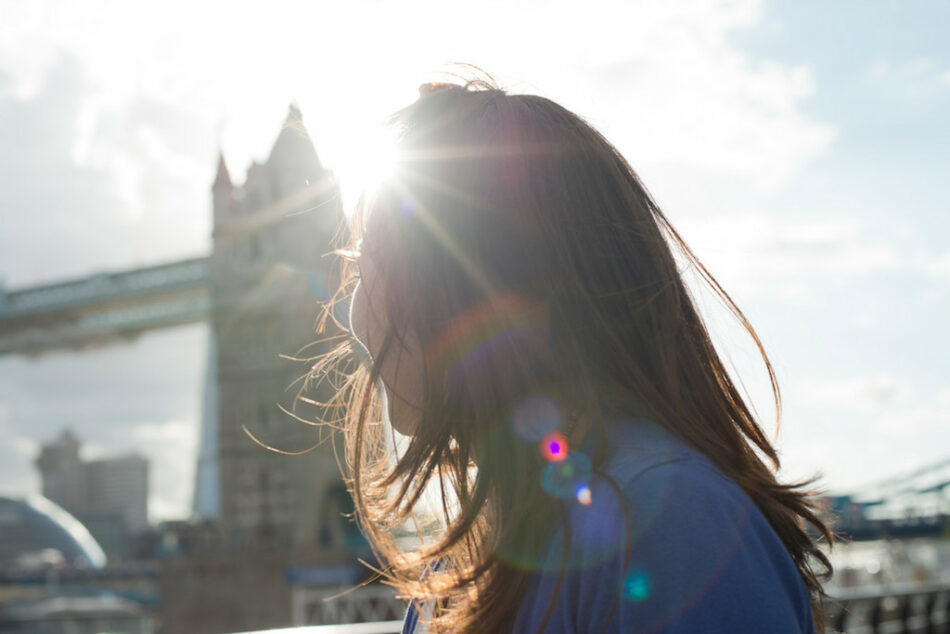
(702, 558)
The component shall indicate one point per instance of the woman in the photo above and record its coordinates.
(594, 466)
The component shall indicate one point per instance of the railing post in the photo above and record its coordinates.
(930, 603)
(841, 619)
(946, 614)
(909, 607)
(904, 614)
(297, 613)
(876, 613)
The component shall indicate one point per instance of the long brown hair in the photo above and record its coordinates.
(523, 252)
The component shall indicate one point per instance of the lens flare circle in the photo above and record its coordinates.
(636, 585)
(583, 495)
(535, 417)
(563, 478)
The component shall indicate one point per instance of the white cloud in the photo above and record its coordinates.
(868, 394)
(172, 478)
(683, 95)
(751, 251)
(161, 509)
(918, 421)
(877, 70)
(176, 432)
(916, 77)
(862, 429)
(83, 192)
(26, 447)
(937, 265)
(794, 291)
(96, 451)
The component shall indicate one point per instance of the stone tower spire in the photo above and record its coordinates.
(223, 178)
(222, 194)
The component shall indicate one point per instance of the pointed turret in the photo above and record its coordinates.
(294, 115)
(293, 146)
(222, 194)
(223, 178)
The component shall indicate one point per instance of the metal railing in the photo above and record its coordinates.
(905, 608)
(378, 627)
(368, 604)
(910, 608)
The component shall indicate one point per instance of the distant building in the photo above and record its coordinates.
(61, 471)
(109, 496)
(119, 486)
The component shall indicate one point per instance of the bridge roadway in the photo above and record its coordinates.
(95, 310)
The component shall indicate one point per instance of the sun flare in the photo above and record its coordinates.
(366, 163)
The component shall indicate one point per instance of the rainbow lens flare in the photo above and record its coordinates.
(509, 324)
(583, 495)
(563, 478)
(406, 207)
(535, 417)
(554, 447)
(636, 586)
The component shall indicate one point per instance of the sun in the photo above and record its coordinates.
(367, 161)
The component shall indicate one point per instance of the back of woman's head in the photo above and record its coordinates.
(523, 251)
(522, 256)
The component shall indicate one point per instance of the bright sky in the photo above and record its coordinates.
(801, 148)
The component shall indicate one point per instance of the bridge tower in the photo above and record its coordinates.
(267, 273)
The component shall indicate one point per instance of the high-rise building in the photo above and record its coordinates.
(269, 270)
(109, 496)
(61, 471)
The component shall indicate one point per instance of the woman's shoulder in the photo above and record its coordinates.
(648, 468)
(652, 482)
(667, 540)
(635, 445)
(647, 465)
(665, 490)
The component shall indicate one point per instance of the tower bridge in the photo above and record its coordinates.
(911, 504)
(98, 309)
(258, 290)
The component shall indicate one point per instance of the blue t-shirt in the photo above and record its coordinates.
(694, 553)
